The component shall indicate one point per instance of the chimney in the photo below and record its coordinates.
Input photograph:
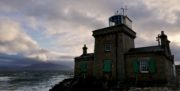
(84, 49)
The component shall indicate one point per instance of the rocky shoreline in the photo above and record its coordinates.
(77, 84)
(73, 84)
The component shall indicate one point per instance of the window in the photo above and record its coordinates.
(107, 47)
(107, 66)
(144, 65)
(83, 67)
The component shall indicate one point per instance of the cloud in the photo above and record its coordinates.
(65, 25)
(13, 39)
(164, 9)
(15, 60)
(175, 49)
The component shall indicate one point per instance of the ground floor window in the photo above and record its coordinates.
(107, 66)
(144, 65)
(83, 66)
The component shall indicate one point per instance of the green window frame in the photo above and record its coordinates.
(152, 65)
(83, 66)
(107, 66)
(136, 66)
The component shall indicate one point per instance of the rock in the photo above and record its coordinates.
(73, 84)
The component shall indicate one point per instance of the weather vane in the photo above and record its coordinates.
(124, 9)
(117, 12)
(158, 39)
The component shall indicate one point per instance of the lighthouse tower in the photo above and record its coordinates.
(111, 43)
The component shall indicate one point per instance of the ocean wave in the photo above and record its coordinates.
(30, 81)
(5, 78)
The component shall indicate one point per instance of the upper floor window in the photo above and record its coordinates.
(107, 47)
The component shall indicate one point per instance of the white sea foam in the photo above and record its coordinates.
(36, 81)
(44, 86)
(5, 78)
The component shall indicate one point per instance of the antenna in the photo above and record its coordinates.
(126, 9)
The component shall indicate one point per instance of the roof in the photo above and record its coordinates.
(88, 55)
(114, 29)
(177, 66)
(146, 49)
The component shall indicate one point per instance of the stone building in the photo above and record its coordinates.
(84, 64)
(178, 74)
(115, 57)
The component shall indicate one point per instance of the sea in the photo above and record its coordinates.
(31, 80)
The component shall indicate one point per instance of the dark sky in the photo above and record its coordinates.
(57, 29)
